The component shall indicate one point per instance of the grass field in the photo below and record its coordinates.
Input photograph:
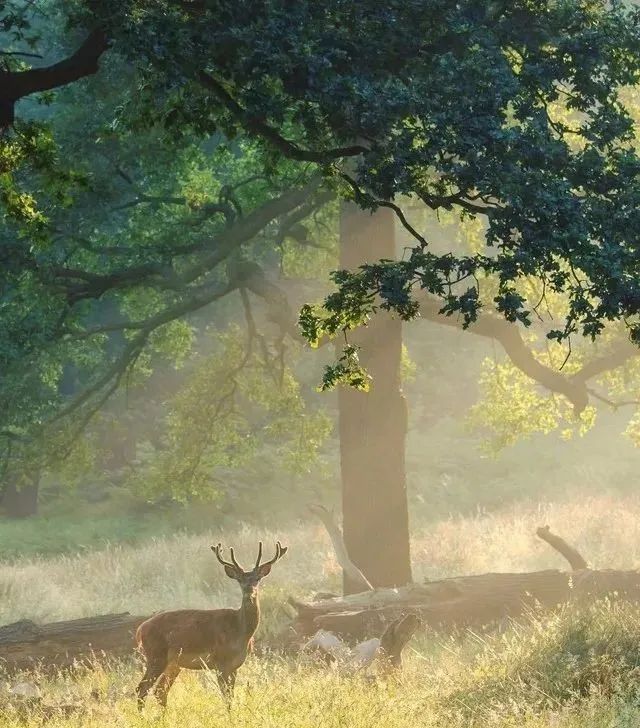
(181, 571)
(560, 670)
(579, 670)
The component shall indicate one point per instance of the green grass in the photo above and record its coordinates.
(71, 524)
(62, 534)
(569, 669)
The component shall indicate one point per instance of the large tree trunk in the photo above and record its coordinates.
(373, 425)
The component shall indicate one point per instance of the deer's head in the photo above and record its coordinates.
(248, 580)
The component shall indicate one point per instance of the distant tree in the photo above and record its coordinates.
(118, 230)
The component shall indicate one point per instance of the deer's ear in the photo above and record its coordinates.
(264, 570)
(230, 572)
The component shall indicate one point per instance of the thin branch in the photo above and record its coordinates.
(364, 197)
(614, 404)
(335, 534)
(149, 200)
(22, 54)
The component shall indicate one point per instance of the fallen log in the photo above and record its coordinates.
(25, 645)
(460, 602)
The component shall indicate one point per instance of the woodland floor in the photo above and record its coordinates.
(180, 571)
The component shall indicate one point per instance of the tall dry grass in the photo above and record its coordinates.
(567, 670)
(605, 529)
(181, 571)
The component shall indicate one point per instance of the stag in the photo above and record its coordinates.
(196, 639)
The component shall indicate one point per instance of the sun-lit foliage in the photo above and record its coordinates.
(512, 409)
(234, 403)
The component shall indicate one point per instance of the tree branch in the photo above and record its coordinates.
(575, 559)
(260, 128)
(15, 85)
(248, 227)
(510, 338)
(620, 354)
(335, 534)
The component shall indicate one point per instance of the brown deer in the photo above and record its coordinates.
(197, 639)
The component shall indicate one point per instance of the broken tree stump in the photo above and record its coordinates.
(572, 555)
(25, 645)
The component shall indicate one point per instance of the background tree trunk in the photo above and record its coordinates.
(373, 425)
(21, 501)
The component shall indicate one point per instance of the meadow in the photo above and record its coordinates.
(565, 669)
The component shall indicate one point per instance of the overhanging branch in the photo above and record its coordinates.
(508, 335)
(258, 127)
(510, 338)
(15, 85)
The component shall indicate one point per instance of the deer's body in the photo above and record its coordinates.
(196, 639)
(202, 638)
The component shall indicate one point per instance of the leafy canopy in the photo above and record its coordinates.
(117, 230)
(449, 103)
(510, 112)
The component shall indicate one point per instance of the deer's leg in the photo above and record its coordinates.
(168, 677)
(155, 667)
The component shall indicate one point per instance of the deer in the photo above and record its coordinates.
(197, 639)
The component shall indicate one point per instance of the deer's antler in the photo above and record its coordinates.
(217, 550)
(259, 559)
(280, 552)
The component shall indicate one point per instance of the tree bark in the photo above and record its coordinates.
(373, 425)
(15, 85)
